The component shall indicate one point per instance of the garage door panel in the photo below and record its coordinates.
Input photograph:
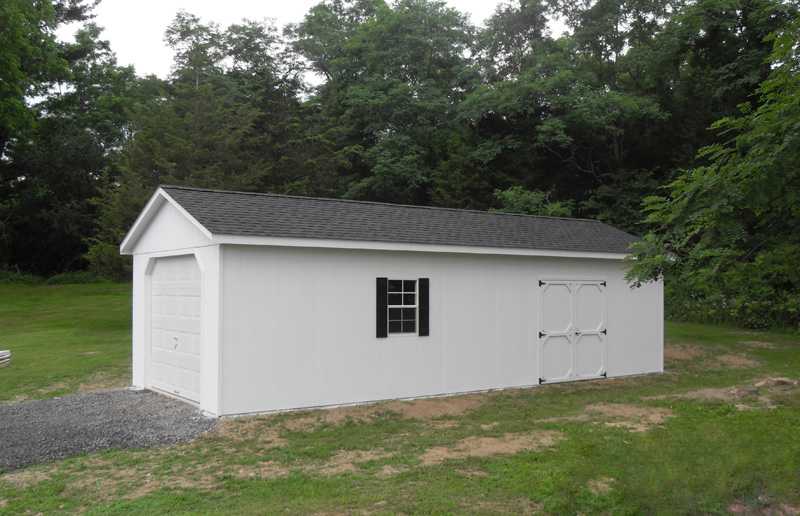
(176, 359)
(190, 389)
(190, 306)
(177, 288)
(175, 321)
(176, 341)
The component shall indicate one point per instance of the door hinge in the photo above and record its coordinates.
(541, 283)
(603, 283)
(541, 381)
(605, 374)
(605, 331)
(542, 334)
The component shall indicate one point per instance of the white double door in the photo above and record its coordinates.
(572, 330)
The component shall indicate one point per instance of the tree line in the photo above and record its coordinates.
(676, 120)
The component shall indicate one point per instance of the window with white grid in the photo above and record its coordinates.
(402, 306)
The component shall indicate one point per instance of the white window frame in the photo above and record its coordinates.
(415, 306)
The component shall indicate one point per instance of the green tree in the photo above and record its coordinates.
(552, 116)
(725, 234)
(52, 174)
(227, 117)
(394, 76)
(28, 60)
(519, 200)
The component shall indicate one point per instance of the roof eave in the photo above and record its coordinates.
(410, 247)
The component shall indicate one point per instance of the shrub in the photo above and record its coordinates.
(106, 262)
(22, 278)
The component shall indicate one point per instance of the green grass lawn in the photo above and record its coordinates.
(63, 337)
(706, 437)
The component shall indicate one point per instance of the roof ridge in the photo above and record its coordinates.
(356, 201)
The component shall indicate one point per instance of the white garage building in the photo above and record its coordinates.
(248, 302)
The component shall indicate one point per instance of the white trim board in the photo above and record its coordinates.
(396, 246)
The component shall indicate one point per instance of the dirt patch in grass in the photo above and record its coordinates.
(16, 399)
(104, 480)
(431, 408)
(102, 382)
(759, 395)
(578, 418)
(600, 486)
(764, 507)
(634, 418)
(346, 461)
(472, 473)
(3, 503)
(307, 422)
(24, 478)
(43, 392)
(758, 344)
(424, 409)
(389, 471)
(444, 424)
(258, 429)
(779, 383)
(263, 470)
(508, 444)
(513, 506)
(737, 361)
(682, 352)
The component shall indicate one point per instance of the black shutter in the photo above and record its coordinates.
(381, 290)
(424, 326)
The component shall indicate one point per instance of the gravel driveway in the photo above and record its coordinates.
(43, 430)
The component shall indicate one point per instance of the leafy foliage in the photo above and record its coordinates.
(726, 233)
(49, 173)
(413, 103)
(518, 200)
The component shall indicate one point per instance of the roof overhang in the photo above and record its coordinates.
(418, 248)
(158, 199)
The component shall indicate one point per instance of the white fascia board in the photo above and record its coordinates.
(148, 212)
(420, 248)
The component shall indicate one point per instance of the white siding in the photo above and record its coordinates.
(298, 325)
(169, 230)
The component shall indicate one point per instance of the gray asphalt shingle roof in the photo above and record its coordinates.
(272, 215)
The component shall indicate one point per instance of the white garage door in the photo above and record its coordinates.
(572, 333)
(175, 327)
